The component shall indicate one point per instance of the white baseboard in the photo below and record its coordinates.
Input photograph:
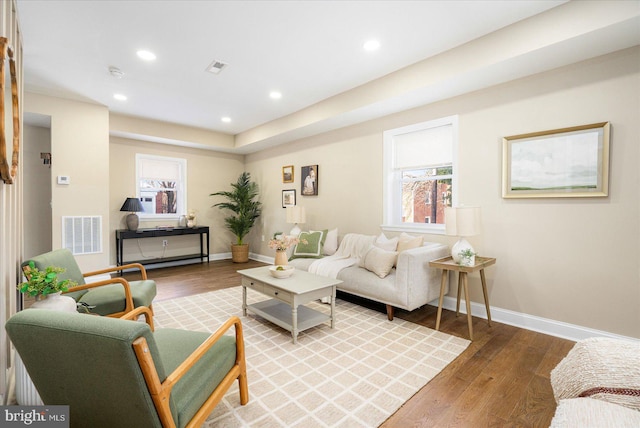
(530, 322)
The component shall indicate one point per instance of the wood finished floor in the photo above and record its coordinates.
(500, 380)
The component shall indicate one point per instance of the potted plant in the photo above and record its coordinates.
(241, 200)
(43, 285)
(467, 257)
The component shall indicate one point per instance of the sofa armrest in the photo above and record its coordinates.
(422, 283)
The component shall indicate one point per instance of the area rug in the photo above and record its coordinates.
(355, 375)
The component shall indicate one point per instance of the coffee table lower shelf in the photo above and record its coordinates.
(281, 315)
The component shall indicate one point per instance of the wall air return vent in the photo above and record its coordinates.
(216, 67)
(82, 235)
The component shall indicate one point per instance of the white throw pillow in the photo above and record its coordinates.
(378, 261)
(331, 243)
(407, 242)
(386, 243)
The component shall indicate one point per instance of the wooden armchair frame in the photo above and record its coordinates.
(161, 391)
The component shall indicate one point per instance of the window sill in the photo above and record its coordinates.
(432, 229)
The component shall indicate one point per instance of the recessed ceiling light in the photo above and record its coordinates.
(226, 119)
(120, 97)
(371, 45)
(275, 95)
(146, 55)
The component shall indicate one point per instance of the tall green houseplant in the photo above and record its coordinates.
(242, 201)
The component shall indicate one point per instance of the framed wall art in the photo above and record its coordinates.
(288, 198)
(309, 180)
(287, 174)
(561, 163)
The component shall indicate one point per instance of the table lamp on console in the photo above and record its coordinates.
(296, 215)
(462, 221)
(134, 206)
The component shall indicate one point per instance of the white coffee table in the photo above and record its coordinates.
(288, 295)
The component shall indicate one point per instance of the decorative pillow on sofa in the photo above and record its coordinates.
(385, 243)
(314, 246)
(331, 243)
(378, 261)
(407, 242)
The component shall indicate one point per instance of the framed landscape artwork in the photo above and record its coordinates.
(287, 174)
(309, 180)
(561, 163)
(288, 198)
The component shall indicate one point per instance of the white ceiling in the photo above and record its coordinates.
(307, 50)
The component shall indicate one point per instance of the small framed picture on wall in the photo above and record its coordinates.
(288, 198)
(309, 180)
(287, 174)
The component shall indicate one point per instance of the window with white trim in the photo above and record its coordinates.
(161, 186)
(420, 175)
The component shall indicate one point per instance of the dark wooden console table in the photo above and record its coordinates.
(123, 234)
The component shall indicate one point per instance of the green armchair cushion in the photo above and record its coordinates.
(193, 389)
(88, 363)
(109, 299)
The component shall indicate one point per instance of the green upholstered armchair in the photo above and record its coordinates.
(112, 297)
(119, 373)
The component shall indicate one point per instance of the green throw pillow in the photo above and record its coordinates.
(313, 248)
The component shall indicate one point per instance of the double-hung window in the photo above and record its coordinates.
(420, 175)
(161, 186)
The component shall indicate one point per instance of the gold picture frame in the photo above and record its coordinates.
(287, 174)
(561, 163)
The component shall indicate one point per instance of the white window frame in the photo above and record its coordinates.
(392, 191)
(181, 186)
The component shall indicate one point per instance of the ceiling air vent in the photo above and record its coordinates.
(216, 67)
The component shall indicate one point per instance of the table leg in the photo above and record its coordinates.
(486, 296)
(294, 323)
(459, 290)
(333, 307)
(244, 301)
(468, 302)
(443, 283)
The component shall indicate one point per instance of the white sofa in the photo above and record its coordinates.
(410, 285)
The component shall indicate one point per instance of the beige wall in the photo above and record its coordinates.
(80, 150)
(571, 260)
(37, 187)
(207, 172)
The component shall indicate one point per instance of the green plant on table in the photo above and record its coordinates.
(466, 254)
(44, 282)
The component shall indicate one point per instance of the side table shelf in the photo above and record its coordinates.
(447, 264)
(201, 231)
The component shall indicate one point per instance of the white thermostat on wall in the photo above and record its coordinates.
(64, 179)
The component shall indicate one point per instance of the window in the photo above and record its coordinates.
(420, 175)
(161, 186)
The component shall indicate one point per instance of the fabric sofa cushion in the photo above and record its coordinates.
(313, 248)
(378, 261)
(407, 242)
(331, 243)
(385, 243)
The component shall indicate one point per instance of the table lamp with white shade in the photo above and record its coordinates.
(461, 221)
(296, 215)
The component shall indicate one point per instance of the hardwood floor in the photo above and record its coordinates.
(500, 380)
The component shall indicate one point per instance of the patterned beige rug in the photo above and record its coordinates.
(356, 375)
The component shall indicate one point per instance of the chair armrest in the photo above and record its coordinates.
(138, 266)
(127, 289)
(140, 310)
(183, 368)
(161, 391)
